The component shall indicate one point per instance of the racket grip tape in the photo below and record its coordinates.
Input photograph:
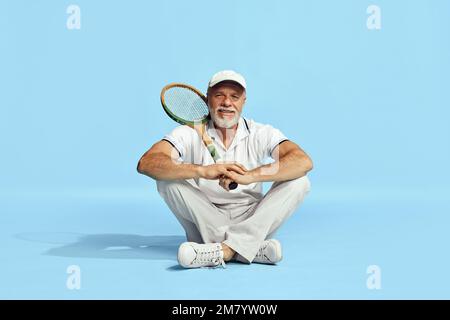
(212, 151)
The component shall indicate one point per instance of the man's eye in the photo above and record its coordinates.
(235, 97)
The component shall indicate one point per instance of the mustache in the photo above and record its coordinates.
(226, 109)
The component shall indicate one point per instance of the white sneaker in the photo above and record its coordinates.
(269, 252)
(195, 255)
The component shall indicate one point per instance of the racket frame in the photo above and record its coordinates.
(173, 116)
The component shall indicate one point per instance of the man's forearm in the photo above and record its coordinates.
(293, 165)
(162, 167)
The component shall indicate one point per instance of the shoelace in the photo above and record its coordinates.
(261, 251)
(210, 255)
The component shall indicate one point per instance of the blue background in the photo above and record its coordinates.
(79, 108)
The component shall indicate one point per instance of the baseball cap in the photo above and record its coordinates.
(227, 75)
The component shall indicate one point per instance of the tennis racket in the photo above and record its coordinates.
(187, 106)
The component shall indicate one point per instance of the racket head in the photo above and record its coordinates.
(184, 104)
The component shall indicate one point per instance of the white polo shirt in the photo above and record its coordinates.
(252, 147)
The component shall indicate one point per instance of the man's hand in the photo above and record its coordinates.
(218, 170)
(246, 178)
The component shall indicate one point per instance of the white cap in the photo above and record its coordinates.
(227, 75)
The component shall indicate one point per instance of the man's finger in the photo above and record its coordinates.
(231, 175)
(228, 174)
(233, 163)
(225, 172)
(232, 166)
(243, 170)
(236, 168)
(224, 183)
(227, 183)
(241, 166)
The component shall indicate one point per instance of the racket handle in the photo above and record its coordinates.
(233, 185)
(213, 152)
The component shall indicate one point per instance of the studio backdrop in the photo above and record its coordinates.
(361, 86)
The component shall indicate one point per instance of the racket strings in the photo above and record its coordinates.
(185, 104)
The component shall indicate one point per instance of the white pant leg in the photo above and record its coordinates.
(200, 218)
(274, 208)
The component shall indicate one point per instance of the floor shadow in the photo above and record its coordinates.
(176, 267)
(112, 246)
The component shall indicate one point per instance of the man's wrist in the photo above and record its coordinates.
(198, 171)
(255, 174)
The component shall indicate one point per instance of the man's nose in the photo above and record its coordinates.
(227, 102)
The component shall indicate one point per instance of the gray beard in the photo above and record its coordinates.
(223, 123)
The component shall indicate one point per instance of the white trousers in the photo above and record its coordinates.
(244, 227)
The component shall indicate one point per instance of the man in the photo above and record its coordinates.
(223, 224)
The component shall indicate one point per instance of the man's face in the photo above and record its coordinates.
(225, 101)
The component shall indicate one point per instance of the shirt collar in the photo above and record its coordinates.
(241, 133)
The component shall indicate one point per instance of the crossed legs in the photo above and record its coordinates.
(203, 222)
